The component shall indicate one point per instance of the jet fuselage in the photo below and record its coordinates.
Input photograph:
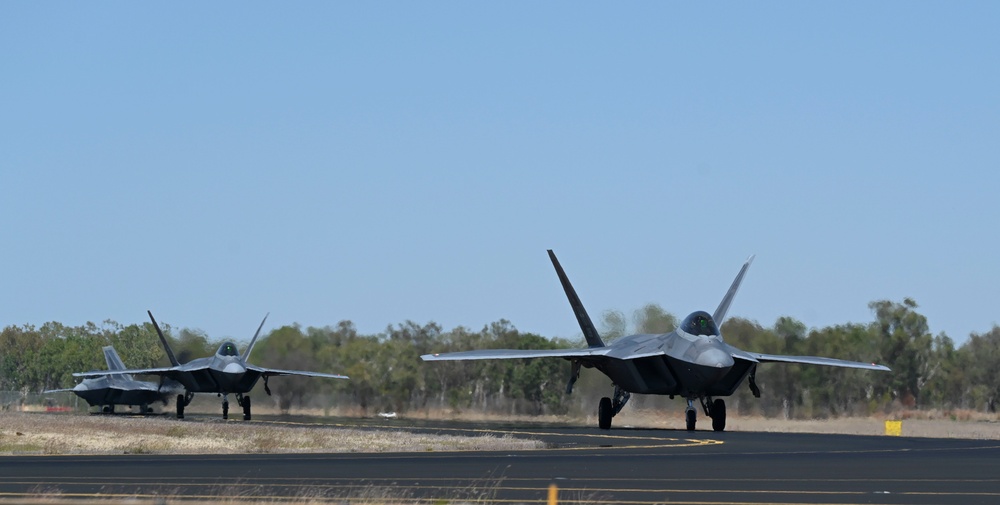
(225, 372)
(688, 361)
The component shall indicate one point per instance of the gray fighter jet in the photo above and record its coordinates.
(225, 373)
(119, 388)
(692, 361)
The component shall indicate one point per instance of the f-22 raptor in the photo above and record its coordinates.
(225, 373)
(692, 361)
(115, 387)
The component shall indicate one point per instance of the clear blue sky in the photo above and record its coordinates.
(383, 162)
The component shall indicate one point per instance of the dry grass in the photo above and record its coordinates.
(69, 434)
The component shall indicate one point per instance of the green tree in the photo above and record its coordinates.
(905, 346)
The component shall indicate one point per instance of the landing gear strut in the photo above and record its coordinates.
(716, 409)
(690, 415)
(753, 382)
(225, 405)
(244, 401)
(183, 401)
(609, 408)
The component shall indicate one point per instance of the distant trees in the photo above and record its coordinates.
(388, 375)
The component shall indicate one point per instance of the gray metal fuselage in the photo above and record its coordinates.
(118, 390)
(225, 372)
(684, 365)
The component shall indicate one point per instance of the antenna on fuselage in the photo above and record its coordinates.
(720, 313)
(166, 346)
(246, 354)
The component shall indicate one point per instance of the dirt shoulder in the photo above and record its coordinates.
(30, 433)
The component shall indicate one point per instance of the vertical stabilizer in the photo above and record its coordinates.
(720, 313)
(166, 346)
(589, 331)
(246, 353)
(115, 362)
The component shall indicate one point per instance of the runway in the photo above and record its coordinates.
(623, 466)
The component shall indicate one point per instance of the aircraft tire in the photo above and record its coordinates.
(246, 408)
(180, 406)
(719, 415)
(692, 418)
(604, 414)
(225, 410)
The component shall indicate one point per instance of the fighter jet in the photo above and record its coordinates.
(692, 361)
(225, 373)
(119, 388)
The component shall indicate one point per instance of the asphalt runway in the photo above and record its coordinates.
(621, 466)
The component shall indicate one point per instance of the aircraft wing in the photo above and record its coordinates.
(168, 371)
(47, 391)
(270, 372)
(814, 360)
(518, 353)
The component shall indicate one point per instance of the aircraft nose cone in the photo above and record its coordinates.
(234, 368)
(716, 358)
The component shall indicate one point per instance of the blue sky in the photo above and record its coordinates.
(383, 162)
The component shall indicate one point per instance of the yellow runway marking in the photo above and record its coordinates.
(656, 442)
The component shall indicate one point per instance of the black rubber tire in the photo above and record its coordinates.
(180, 406)
(225, 410)
(692, 418)
(604, 414)
(246, 408)
(106, 409)
(719, 415)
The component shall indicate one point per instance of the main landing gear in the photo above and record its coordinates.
(714, 409)
(242, 401)
(183, 401)
(609, 407)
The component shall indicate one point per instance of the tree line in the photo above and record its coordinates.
(929, 371)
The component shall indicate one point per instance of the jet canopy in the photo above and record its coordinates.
(228, 349)
(700, 323)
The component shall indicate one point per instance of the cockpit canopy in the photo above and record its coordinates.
(228, 349)
(700, 323)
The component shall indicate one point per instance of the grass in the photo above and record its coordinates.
(24, 433)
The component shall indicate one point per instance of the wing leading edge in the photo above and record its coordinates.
(813, 360)
(517, 354)
(268, 372)
(136, 371)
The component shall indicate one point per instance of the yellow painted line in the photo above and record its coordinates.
(368, 500)
(656, 442)
(488, 485)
